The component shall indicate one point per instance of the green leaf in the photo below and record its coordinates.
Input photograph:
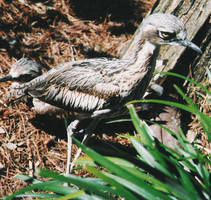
(94, 187)
(146, 138)
(149, 158)
(86, 160)
(133, 187)
(118, 188)
(38, 195)
(72, 195)
(187, 183)
(187, 99)
(205, 175)
(148, 192)
(204, 119)
(24, 177)
(188, 79)
(48, 185)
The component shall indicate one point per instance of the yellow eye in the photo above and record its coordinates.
(167, 35)
(164, 34)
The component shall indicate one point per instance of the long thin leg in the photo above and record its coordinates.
(87, 134)
(70, 131)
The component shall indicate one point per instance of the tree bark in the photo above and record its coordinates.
(196, 16)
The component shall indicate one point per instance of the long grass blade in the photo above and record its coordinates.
(48, 185)
(119, 187)
(187, 183)
(91, 186)
(206, 120)
(188, 79)
(72, 195)
(148, 157)
(146, 138)
(148, 191)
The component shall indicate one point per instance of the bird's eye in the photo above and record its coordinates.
(167, 35)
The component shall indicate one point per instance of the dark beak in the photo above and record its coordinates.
(6, 78)
(189, 44)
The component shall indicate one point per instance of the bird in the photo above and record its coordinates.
(99, 88)
(23, 70)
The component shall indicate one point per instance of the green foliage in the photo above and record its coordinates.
(154, 172)
(205, 120)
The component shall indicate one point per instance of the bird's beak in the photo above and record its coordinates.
(6, 78)
(189, 44)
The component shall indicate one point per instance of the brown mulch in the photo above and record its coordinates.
(52, 32)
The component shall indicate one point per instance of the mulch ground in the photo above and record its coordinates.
(52, 32)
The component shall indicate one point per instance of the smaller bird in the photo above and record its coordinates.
(23, 70)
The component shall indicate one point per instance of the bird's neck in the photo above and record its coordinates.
(141, 65)
(144, 52)
(142, 58)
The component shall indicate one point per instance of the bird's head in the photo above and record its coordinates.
(162, 28)
(25, 70)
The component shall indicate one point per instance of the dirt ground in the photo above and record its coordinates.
(52, 32)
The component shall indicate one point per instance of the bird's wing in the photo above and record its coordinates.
(80, 85)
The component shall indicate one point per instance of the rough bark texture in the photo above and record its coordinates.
(196, 16)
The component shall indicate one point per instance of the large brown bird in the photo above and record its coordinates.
(98, 88)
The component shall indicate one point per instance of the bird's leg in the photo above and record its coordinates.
(70, 131)
(85, 139)
(87, 134)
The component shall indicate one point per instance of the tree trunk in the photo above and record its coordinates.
(196, 16)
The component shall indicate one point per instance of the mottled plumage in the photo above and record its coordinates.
(98, 88)
(92, 84)
(23, 70)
